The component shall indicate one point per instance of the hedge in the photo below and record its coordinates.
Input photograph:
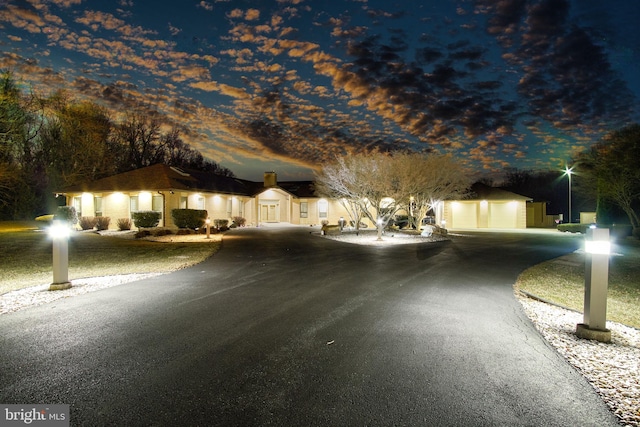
(146, 219)
(189, 218)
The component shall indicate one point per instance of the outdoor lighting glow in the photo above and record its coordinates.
(599, 247)
(484, 203)
(568, 171)
(59, 230)
(145, 196)
(118, 196)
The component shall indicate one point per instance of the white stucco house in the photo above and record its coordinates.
(163, 188)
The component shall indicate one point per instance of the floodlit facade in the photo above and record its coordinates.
(163, 188)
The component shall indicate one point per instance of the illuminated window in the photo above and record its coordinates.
(304, 210)
(229, 207)
(157, 204)
(323, 208)
(200, 202)
(77, 203)
(97, 205)
(183, 202)
(133, 204)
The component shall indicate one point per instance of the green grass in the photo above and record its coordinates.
(562, 282)
(26, 256)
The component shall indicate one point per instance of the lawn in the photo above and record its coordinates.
(26, 255)
(562, 281)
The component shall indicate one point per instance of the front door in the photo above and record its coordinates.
(269, 212)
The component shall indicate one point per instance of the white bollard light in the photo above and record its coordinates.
(59, 233)
(596, 280)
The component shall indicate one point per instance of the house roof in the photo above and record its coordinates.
(161, 177)
(481, 191)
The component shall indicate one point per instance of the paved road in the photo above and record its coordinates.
(282, 328)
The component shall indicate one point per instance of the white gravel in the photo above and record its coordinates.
(613, 369)
(38, 295)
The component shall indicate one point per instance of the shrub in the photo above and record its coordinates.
(66, 213)
(239, 221)
(102, 222)
(189, 218)
(142, 233)
(146, 219)
(87, 222)
(573, 228)
(184, 232)
(219, 223)
(124, 224)
(162, 232)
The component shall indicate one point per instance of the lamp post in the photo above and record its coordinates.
(59, 233)
(596, 280)
(208, 222)
(568, 171)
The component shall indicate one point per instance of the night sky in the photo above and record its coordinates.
(286, 85)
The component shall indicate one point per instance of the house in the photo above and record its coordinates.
(162, 188)
(487, 207)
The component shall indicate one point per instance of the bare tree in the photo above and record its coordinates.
(378, 185)
(140, 136)
(426, 180)
(74, 143)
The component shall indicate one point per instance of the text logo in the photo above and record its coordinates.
(34, 415)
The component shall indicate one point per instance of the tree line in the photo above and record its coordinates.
(48, 143)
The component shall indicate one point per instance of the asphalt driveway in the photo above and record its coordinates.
(285, 328)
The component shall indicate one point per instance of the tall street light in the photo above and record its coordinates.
(568, 171)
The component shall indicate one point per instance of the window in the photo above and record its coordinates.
(157, 204)
(229, 207)
(323, 207)
(97, 205)
(133, 203)
(304, 210)
(183, 202)
(200, 203)
(77, 203)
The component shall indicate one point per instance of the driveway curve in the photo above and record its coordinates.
(285, 328)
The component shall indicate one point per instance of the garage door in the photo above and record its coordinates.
(502, 215)
(464, 215)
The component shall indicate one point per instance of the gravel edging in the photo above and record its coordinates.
(612, 369)
(37, 295)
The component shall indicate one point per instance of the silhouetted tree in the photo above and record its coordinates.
(611, 167)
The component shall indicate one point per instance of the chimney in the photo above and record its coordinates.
(270, 179)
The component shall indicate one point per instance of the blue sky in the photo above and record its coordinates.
(287, 85)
